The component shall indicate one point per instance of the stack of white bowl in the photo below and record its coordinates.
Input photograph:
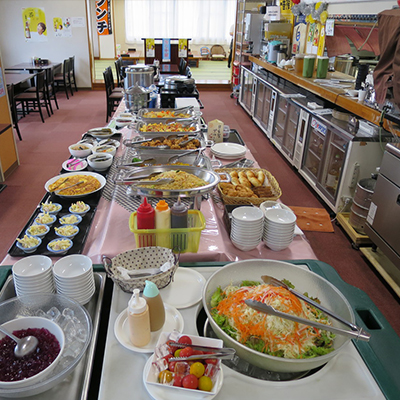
(73, 276)
(33, 275)
(246, 227)
(279, 225)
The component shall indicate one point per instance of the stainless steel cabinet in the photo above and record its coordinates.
(247, 90)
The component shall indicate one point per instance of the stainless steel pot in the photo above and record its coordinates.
(137, 97)
(304, 281)
(139, 74)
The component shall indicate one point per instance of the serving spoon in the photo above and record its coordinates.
(25, 346)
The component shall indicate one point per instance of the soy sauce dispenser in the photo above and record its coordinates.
(179, 220)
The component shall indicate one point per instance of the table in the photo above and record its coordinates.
(169, 68)
(17, 78)
(32, 68)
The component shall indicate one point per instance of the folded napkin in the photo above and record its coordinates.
(313, 219)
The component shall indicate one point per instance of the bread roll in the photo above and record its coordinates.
(243, 179)
(252, 178)
(234, 177)
(261, 177)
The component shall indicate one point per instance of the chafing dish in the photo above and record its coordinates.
(194, 124)
(175, 113)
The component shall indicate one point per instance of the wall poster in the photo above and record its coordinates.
(150, 48)
(166, 50)
(182, 48)
(34, 20)
(62, 27)
(103, 17)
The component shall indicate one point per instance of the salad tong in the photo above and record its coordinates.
(212, 352)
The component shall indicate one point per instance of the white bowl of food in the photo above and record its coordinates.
(198, 382)
(59, 246)
(80, 150)
(38, 230)
(29, 244)
(105, 149)
(101, 133)
(51, 208)
(45, 218)
(67, 231)
(120, 122)
(79, 208)
(49, 351)
(100, 162)
(70, 219)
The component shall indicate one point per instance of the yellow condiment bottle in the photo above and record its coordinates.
(139, 320)
(163, 221)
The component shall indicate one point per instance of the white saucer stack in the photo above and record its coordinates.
(246, 227)
(228, 151)
(73, 276)
(279, 225)
(33, 275)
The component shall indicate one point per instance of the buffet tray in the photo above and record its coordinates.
(140, 124)
(140, 115)
(78, 241)
(76, 385)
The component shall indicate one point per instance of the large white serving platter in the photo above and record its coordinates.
(101, 179)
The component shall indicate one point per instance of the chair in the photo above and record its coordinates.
(63, 80)
(118, 71)
(72, 72)
(50, 88)
(182, 66)
(205, 52)
(113, 98)
(114, 89)
(13, 109)
(36, 98)
(217, 52)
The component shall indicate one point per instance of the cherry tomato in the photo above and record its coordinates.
(167, 357)
(190, 382)
(177, 352)
(177, 381)
(205, 383)
(186, 352)
(197, 369)
(171, 348)
(165, 376)
(197, 352)
(171, 366)
(185, 339)
(213, 361)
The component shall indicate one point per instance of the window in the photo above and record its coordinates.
(203, 21)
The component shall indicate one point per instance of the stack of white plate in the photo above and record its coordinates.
(33, 275)
(246, 227)
(228, 151)
(279, 225)
(73, 276)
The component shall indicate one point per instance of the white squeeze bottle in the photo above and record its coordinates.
(163, 221)
(139, 320)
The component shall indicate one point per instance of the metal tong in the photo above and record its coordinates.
(266, 309)
(276, 282)
(220, 353)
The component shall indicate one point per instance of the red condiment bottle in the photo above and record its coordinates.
(145, 216)
(145, 219)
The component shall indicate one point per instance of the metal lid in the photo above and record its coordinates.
(179, 79)
(139, 68)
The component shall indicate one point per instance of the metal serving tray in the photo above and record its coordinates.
(140, 124)
(76, 385)
(140, 115)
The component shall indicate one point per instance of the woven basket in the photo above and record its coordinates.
(251, 200)
(143, 258)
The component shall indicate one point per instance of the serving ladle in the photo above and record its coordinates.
(25, 346)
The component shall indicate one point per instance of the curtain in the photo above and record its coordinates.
(203, 21)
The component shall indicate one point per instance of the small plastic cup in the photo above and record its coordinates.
(322, 67)
(308, 66)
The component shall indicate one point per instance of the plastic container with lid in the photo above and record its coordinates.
(146, 220)
(156, 306)
(163, 221)
(179, 219)
(139, 320)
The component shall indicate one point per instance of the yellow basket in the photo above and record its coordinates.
(180, 240)
(277, 192)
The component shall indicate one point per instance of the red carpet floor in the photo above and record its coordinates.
(45, 146)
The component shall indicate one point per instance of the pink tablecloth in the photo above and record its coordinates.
(110, 235)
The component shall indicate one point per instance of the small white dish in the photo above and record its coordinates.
(62, 231)
(44, 230)
(51, 208)
(173, 321)
(247, 214)
(31, 249)
(74, 210)
(104, 149)
(185, 290)
(98, 134)
(41, 218)
(75, 167)
(80, 150)
(31, 266)
(72, 266)
(280, 216)
(70, 219)
(105, 161)
(113, 142)
(61, 251)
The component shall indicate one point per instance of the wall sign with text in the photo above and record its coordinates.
(103, 17)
